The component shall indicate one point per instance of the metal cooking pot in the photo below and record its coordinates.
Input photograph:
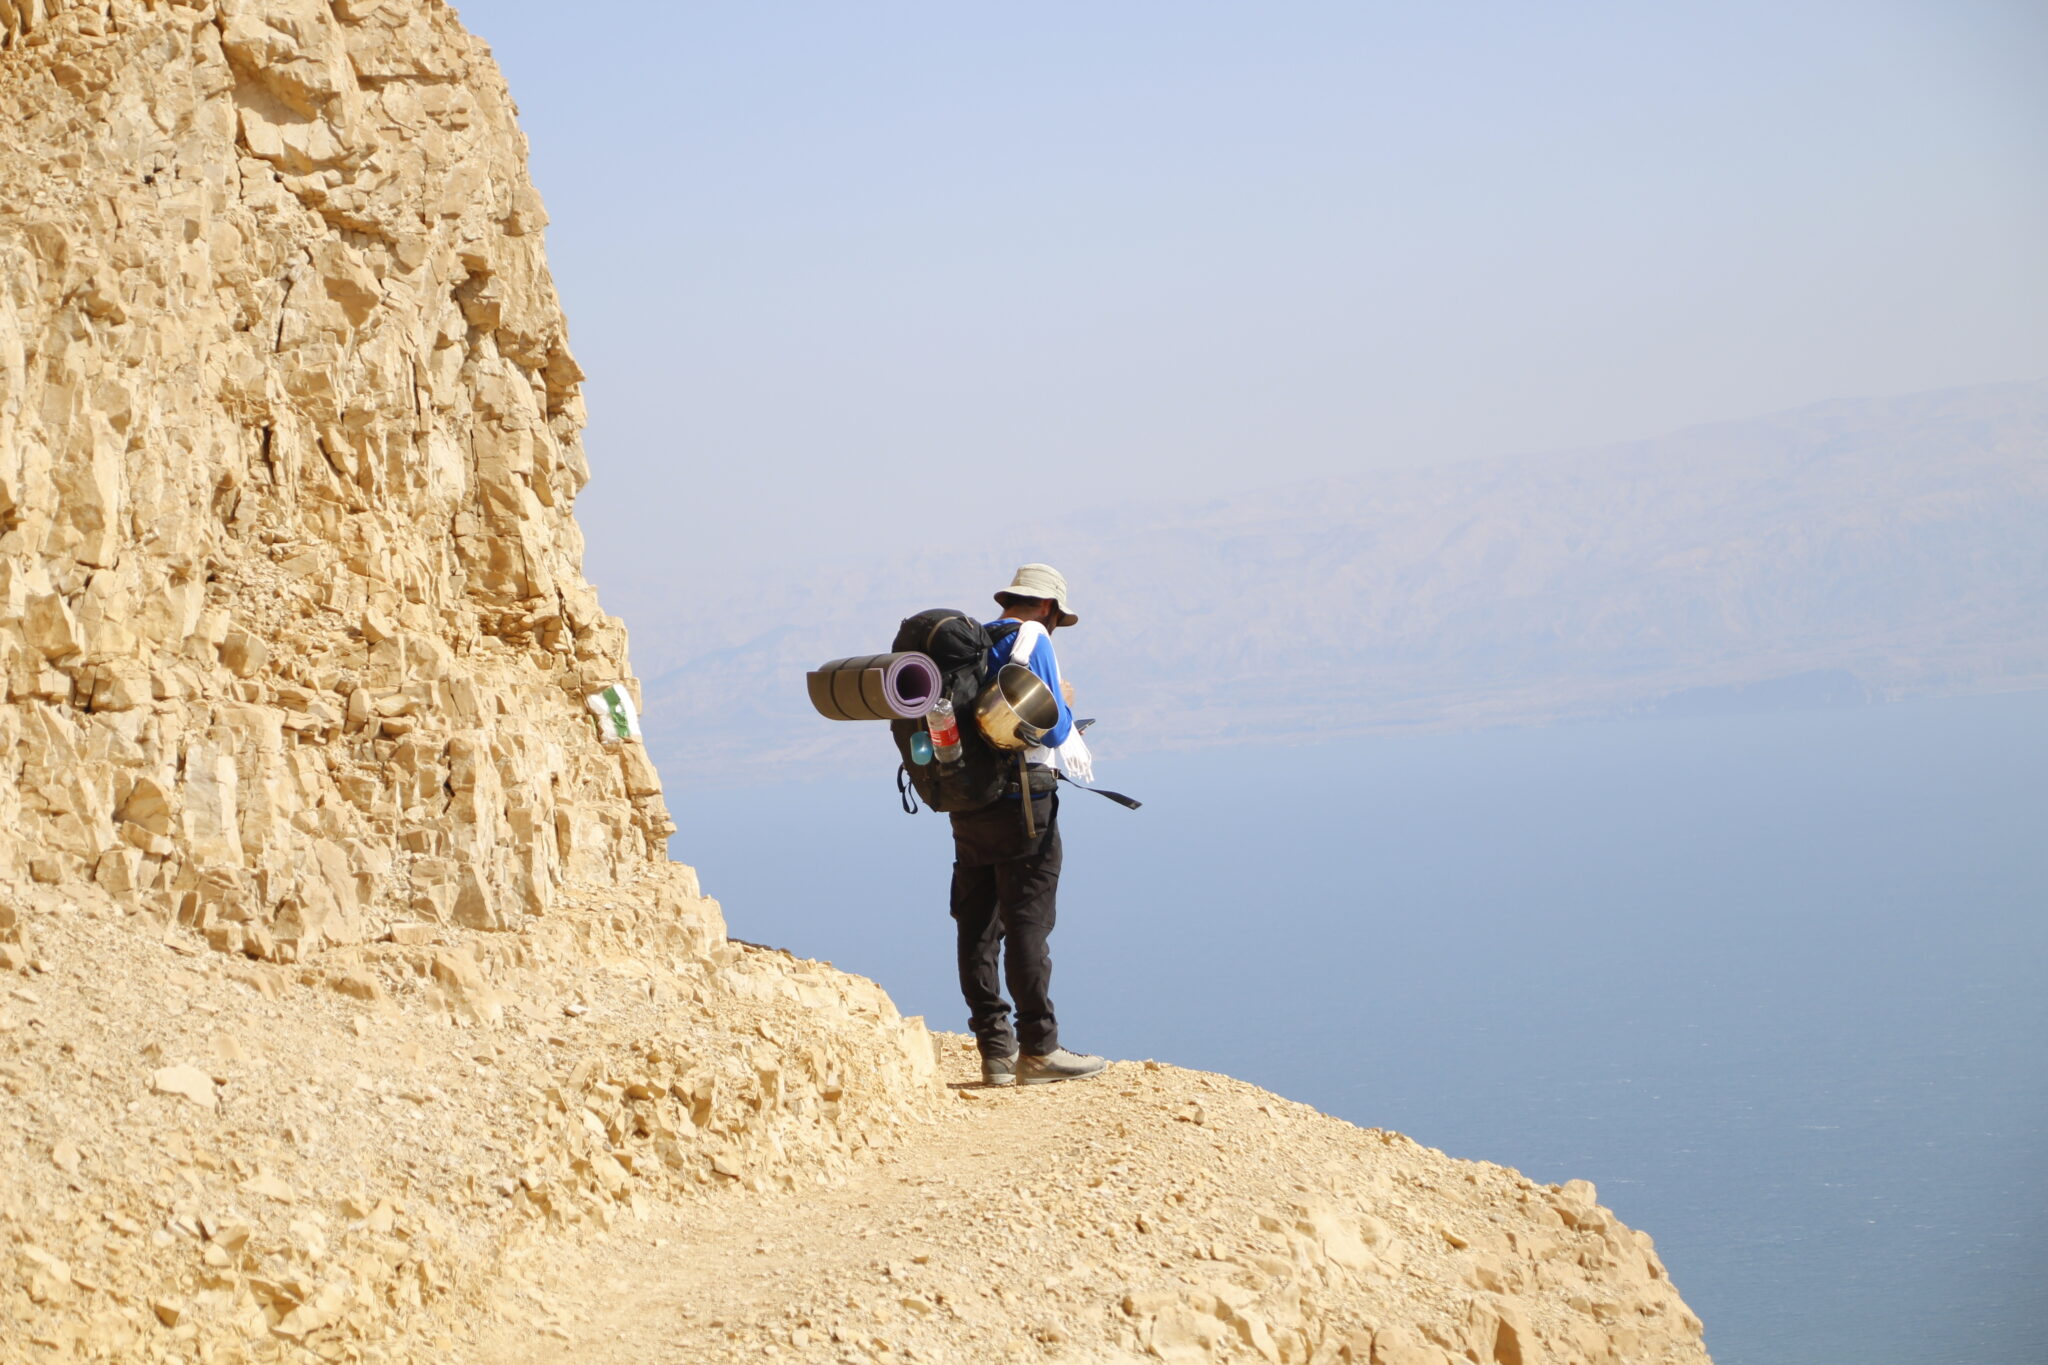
(1016, 697)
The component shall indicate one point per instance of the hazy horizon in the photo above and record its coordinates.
(1834, 554)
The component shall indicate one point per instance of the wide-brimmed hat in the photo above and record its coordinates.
(1042, 581)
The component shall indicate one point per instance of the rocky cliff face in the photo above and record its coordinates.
(297, 784)
(346, 997)
(292, 623)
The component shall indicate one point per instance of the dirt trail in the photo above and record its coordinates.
(918, 1236)
(1150, 1213)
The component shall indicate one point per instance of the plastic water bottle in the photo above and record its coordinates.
(920, 748)
(945, 730)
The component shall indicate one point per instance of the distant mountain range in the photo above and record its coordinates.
(1851, 551)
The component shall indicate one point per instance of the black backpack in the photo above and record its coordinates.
(960, 646)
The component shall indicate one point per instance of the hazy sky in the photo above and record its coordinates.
(818, 257)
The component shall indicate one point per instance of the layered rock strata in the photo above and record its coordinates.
(292, 624)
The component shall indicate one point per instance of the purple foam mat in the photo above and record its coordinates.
(899, 686)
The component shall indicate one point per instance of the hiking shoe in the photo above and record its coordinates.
(999, 1070)
(1057, 1065)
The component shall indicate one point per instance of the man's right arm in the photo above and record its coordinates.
(1047, 667)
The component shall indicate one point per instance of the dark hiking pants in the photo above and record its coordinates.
(1004, 887)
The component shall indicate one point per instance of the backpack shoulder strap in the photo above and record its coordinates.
(1003, 633)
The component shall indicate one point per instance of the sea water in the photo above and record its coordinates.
(1777, 984)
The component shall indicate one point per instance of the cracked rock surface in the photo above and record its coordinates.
(293, 625)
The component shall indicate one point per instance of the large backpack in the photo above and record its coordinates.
(960, 646)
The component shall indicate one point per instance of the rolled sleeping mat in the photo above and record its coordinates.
(875, 687)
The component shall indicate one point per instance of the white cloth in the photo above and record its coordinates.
(1072, 756)
(1073, 759)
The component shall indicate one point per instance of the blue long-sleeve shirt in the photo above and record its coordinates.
(1047, 667)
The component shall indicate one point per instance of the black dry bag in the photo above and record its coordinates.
(960, 646)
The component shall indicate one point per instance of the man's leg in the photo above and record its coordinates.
(980, 941)
(1028, 889)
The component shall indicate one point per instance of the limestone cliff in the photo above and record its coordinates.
(292, 618)
(295, 644)
(349, 1008)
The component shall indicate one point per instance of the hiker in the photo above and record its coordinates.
(1005, 880)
